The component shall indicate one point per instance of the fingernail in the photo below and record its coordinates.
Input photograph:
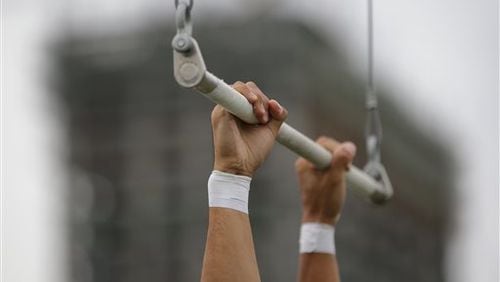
(266, 118)
(280, 108)
(275, 106)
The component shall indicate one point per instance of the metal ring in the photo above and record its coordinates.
(183, 18)
(189, 4)
(379, 173)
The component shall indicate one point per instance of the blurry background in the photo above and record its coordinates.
(105, 159)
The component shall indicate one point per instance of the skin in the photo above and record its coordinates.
(323, 195)
(240, 149)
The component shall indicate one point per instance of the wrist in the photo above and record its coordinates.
(320, 218)
(236, 168)
(226, 190)
(317, 238)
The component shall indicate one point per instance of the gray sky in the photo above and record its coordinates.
(440, 57)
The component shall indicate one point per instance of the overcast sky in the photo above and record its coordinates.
(439, 56)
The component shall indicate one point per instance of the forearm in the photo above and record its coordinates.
(317, 253)
(239, 148)
(318, 267)
(229, 250)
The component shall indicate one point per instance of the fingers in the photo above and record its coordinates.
(302, 165)
(277, 111)
(256, 97)
(265, 110)
(245, 91)
(343, 155)
(329, 143)
(261, 106)
(278, 115)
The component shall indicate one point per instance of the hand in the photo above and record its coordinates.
(241, 148)
(323, 191)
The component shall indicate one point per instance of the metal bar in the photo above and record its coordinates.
(221, 93)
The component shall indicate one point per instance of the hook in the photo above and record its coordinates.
(378, 172)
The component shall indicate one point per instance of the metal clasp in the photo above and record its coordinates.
(189, 67)
(378, 172)
(183, 16)
(182, 41)
(373, 133)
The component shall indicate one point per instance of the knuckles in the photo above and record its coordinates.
(238, 84)
(323, 140)
(251, 84)
(327, 142)
(343, 155)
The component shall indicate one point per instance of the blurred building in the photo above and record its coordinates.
(140, 155)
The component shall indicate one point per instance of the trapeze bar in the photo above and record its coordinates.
(190, 72)
(221, 93)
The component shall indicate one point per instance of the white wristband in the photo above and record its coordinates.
(226, 190)
(317, 238)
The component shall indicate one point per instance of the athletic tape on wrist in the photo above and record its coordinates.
(317, 238)
(226, 190)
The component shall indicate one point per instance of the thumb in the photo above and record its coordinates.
(278, 115)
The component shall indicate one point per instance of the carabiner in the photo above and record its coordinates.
(188, 3)
(183, 16)
(378, 172)
(182, 41)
